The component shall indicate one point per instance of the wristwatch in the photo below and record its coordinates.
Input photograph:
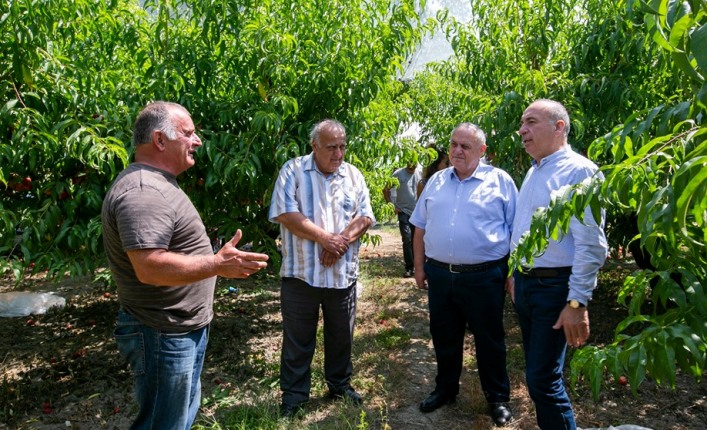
(574, 304)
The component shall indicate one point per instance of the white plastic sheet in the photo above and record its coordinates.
(621, 427)
(22, 303)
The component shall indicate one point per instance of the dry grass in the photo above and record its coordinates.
(394, 365)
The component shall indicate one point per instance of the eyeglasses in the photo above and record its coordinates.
(334, 148)
(464, 146)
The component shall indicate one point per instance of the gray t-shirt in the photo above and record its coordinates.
(146, 209)
(406, 196)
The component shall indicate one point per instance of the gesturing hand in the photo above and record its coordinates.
(234, 263)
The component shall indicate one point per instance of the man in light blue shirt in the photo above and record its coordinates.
(551, 297)
(323, 207)
(462, 239)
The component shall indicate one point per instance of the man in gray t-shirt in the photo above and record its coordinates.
(404, 198)
(162, 262)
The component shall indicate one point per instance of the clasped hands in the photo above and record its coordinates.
(335, 246)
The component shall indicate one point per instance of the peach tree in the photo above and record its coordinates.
(255, 75)
(632, 75)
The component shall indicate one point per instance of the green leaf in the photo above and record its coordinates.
(678, 31)
(8, 107)
(683, 62)
(698, 46)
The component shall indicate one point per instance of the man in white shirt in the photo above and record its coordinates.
(323, 207)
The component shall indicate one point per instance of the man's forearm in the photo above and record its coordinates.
(418, 248)
(356, 228)
(166, 268)
(302, 227)
(169, 269)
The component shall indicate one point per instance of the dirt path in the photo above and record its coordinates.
(469, 411)
(69, 360)
(656, 408)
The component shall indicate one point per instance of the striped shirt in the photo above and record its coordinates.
(331, 202)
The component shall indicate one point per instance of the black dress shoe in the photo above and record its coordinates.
(347, 393)
(289, 411)
(435, 401)
(500, 413)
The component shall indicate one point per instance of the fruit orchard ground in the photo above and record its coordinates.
(68, 360)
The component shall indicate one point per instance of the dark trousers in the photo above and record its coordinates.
(407, 231)
(474, 299)
(538, 302)
(300, 304)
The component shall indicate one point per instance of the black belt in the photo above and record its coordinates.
(464, 268)
(545, 272)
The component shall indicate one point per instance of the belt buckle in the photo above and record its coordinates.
(450, 269)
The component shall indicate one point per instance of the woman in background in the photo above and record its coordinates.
(442, 162)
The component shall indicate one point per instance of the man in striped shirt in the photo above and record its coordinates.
(323, 207)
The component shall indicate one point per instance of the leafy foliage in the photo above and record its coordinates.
(658, 173)
(255, 75)
(633, 69)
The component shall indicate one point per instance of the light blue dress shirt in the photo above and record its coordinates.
(468, 221)
(584, 247)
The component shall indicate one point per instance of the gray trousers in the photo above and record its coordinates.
(300, 304)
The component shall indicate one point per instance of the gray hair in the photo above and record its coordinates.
(477, 132)
(155, 116)
(556, 111)
(325, 124)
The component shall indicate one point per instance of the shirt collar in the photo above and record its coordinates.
(310, 164)
(480, 172)
(557, 155)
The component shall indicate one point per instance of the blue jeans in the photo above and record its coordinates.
(474, 299)
(166, 369)
(538, 302)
